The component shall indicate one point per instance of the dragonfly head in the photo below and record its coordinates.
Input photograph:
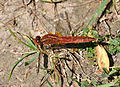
(37, 40)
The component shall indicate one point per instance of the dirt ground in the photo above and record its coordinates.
(39, 18)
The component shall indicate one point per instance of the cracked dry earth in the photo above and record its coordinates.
(39, 18)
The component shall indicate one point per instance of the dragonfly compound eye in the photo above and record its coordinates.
(37, 40)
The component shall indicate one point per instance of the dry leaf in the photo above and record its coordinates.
(26, 75)
(102, 58)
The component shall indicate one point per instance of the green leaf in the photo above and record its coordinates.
(118, 49)
(107, 85)
(94, 32)
(114, 3)
(76, 81)
(49, 83)
(98, 11)
(118, 81)
(105, 76)
(108, 11)
(85, 84)
(114, 45)
(105, 70)
(118, 69)
(85, 30)
(112, 72)
(20, 40)
(30, 42)
(30, 61)
(11, 71)
(115, 41)
(94, 83)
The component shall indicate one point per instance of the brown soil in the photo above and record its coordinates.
(30, 17)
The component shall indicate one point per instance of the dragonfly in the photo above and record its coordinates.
(59, 39)
(56, 39)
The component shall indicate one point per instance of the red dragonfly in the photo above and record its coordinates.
(55, 39)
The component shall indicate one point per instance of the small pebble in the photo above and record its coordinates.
(61, 15)
(20, 63)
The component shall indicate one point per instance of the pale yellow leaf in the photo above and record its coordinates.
(102, 58)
